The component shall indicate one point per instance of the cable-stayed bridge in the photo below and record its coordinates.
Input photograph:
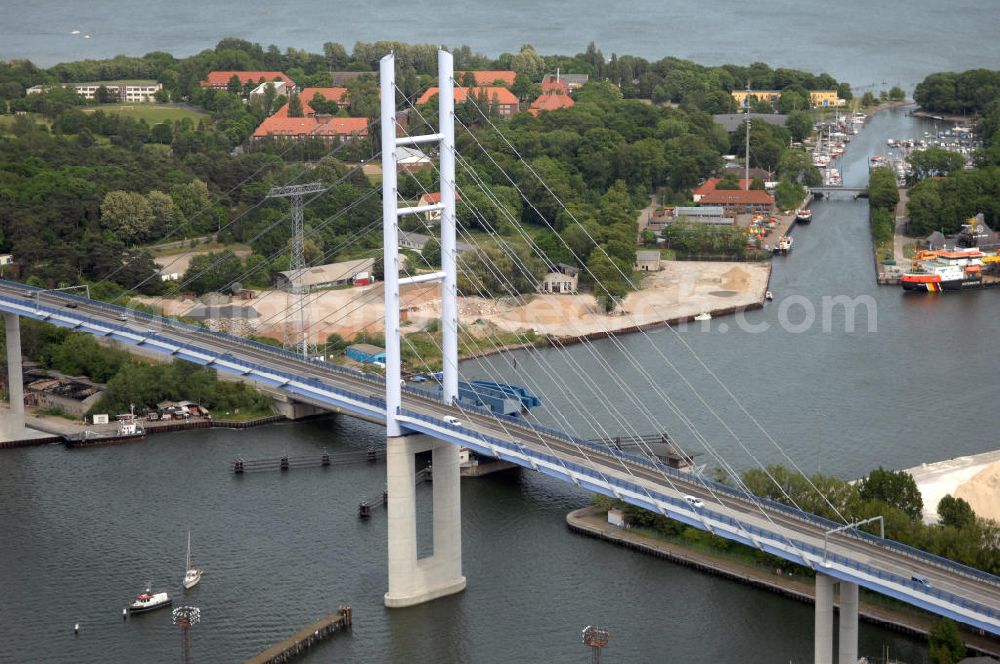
(418, 420)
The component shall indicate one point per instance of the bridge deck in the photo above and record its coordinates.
(959, 592)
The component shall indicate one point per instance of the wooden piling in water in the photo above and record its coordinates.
(305, 638)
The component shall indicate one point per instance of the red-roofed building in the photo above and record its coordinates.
(487, 78)
(554, 85)
(552, 101)
(281, 127)
(339, 96)
(505, 100)
(220, 79)
(573, 82)
(733, 201)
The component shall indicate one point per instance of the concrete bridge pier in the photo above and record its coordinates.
(848, 641)
(12, 427)
(848, 652)
(414, 580)
(824, 619)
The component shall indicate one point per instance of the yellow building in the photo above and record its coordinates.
(818, 98)
(758, 95)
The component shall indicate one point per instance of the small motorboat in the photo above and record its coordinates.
(803, 216)
(703, 316)
(149, 601)
(768, 296)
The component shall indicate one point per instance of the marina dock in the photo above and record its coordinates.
(305, 638)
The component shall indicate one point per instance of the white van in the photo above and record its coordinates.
(451, 419)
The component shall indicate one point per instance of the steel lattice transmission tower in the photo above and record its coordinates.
(185, 617)
(295, 192)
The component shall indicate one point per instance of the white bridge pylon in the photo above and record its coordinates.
(414, 580)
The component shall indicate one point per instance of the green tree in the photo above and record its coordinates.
(800, 124)
(295, 107)
(896, 93)
(895, 488)
(935, 161)
(165, 213)
(528, 62)
(127, 215)
(605, 276)
(955, 512)
(212, 272)
(793, 100)
(162, 133)
(321, 104)
(945, 643)
(336, 343)
(104, 95)
(431, 253)
(795, 165)
(882, 190)
(234, 86)
(194, 202)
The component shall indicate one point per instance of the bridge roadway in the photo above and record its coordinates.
(887, 567)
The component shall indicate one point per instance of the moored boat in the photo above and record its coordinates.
(128, 430)
(192, 575)
(803, 216)
(946, 271)
(784, 245)
(149, 601)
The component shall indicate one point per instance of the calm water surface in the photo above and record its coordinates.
(862, 42)
(84, 530)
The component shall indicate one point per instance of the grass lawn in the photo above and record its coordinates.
(152, 113)
(7, 121)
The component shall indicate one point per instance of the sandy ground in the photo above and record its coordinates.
(982, 492)
(179, 263)
(975, 479)
(681, 289)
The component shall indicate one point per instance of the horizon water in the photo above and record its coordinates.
(870, 45)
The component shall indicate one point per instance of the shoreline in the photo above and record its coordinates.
(54, 431)
(928, 115)
(590, 522)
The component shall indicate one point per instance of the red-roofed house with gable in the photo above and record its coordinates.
(505, 100)
(487, 78)
(733, 201)
(219, 80)
(551, 101)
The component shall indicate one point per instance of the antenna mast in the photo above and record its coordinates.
(746, 158)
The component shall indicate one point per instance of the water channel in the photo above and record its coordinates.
(84, 530)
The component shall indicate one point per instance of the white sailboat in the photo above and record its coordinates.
(192, 575)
